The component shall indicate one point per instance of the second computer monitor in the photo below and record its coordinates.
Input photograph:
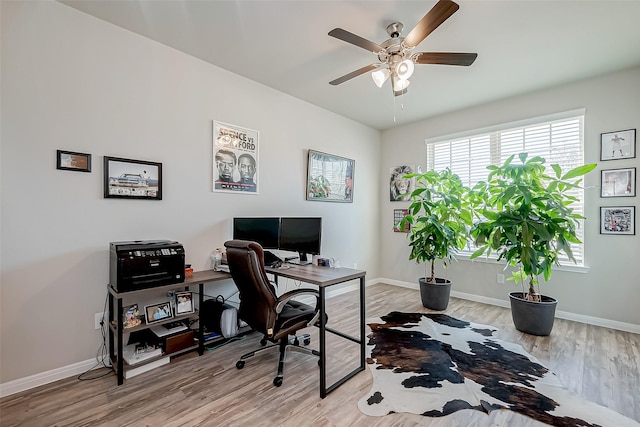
(263, 230)
(301, 235)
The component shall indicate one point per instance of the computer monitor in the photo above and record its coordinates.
(302, 235)
(265, 230)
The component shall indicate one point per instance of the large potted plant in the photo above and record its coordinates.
(526, 216)
(439, 218)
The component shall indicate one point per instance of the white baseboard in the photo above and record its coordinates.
(43, 378)
(590, 320)
(36, 380)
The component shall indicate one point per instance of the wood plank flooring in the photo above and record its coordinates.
(599, 364)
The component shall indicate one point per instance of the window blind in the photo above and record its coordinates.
(559, 139)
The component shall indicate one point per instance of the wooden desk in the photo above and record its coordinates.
(324, 277)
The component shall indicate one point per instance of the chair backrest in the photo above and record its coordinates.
(257, 295)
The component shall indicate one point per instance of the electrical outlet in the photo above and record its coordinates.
(97, 320)
(500, 278)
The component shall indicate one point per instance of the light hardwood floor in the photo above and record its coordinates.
(599, 364)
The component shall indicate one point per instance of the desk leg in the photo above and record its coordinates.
(363, 344)
(323, 346)
(119, 322)
(200, 323)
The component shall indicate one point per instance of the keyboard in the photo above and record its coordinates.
(270, 258)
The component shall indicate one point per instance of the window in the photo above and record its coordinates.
(558, 138)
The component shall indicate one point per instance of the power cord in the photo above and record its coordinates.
(102, 353)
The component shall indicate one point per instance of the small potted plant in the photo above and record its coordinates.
(439, 218)
(526, 217)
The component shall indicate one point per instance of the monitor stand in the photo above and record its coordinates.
(301, 260)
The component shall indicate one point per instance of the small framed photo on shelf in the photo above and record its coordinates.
(618, 220)
(131, 316)
(618, 145)
(71, 161)
(184, 303)
(618, 182)
(158, 312)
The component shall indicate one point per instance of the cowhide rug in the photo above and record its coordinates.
(435, 365)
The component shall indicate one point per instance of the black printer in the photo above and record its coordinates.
(142, 264)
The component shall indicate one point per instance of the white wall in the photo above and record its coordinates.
(609, 289)
(72, 82)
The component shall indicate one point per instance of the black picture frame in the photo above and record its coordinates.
(618, 220)
(158, 313)
(72, 161)
(329, 178)
(184, 303)
(618, 182)
(132, 179)
(618, 145)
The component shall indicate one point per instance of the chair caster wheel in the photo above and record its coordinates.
(296, 342)
(263, 342)
(240, 364)
(307, 341)
(319, 363)
(277, 381)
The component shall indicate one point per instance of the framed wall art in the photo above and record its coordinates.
(400, 188)
(132, 179)
(71, 161)
(618, 220)
(618, 145)
(618, 182)
(235, 159)
(398, 215)
(158, 312)
(329, 178)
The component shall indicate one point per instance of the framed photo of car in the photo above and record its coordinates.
(132, 179)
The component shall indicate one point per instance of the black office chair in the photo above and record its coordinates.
(277, 318)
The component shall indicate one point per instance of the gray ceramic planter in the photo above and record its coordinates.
(435, 295)
(535, 318)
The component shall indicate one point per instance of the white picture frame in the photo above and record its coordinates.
(184, 303)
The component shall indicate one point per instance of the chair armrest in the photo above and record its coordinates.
(286, 297)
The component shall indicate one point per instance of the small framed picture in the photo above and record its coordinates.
(618, 220)
(70, 161)
(131, 316)
(184, 303)
(618, 145)
(158, 312)
(132, 179)
(618, 182)
(400, 188)
(398, 215)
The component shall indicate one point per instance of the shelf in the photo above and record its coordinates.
(114, 324)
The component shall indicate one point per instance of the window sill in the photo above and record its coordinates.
(571, 268)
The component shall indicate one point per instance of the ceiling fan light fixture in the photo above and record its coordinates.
(400, 84)
(404, 69)
(380, 76)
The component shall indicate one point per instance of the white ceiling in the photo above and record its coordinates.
(522, 46)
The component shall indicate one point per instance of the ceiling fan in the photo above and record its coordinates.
(396, 60)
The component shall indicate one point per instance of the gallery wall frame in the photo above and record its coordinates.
(618, 182)
(329, 177)
(618, 145)
(400, 188)
(72, 161)
(618, 220)
(132, 179)
(398, 215)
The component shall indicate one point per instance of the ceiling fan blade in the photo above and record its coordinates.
(432, 20)
(348, 37)
(353, 74)
(444, 58)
